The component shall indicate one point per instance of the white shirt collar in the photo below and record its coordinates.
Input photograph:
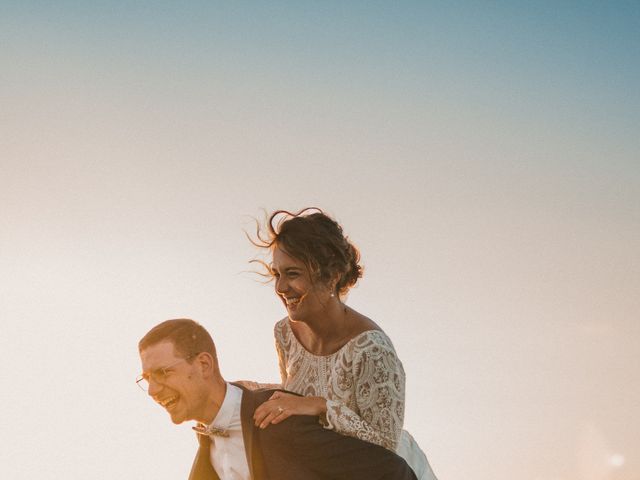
(229, 408)
(227, 450)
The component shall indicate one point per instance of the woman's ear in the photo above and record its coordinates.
(333, 284)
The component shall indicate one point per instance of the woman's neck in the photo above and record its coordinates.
(327, 333)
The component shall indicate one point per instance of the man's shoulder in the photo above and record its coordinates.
(252, 397)
(259, 389)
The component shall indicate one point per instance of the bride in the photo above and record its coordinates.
(341, 362)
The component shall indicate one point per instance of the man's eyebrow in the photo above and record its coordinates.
(154, 369)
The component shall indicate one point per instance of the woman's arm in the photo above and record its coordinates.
(282, 359)
(379, 396)
(378, 413)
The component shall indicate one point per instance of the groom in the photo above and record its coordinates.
(181, 373)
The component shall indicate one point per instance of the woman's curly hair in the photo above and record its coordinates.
(317, 240)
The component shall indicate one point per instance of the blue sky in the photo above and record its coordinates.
(484, 157)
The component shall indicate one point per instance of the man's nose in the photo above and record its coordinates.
(154, 387)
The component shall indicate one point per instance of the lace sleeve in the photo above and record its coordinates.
(281, 350)
(379, 390)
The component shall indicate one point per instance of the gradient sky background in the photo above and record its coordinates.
(484, 156)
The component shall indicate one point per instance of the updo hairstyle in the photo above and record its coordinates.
(318, 241)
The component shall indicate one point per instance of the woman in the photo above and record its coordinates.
(340, 361)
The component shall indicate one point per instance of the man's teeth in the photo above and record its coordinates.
(168, 401)
(292, 300)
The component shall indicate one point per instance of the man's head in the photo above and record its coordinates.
(180, 370)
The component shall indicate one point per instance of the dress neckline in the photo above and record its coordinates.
(307, 352)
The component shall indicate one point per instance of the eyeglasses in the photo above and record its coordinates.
(159, 375)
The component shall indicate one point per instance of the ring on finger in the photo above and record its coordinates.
(280, 410)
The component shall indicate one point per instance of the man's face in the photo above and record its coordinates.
(174, 383)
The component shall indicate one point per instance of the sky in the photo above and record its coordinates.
(484, 157)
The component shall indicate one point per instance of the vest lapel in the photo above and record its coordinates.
(202, 469)
(251, 446)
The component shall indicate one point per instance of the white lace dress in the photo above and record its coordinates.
(363, 384)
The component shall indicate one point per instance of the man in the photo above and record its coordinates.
(181, 373)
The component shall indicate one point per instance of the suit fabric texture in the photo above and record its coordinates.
(299, 448)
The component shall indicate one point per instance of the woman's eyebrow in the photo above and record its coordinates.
(285, 269)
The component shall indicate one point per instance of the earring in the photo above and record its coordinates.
(333, 294)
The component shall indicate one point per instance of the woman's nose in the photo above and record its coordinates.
(281, 285)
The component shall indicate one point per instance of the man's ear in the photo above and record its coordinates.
(206, 364)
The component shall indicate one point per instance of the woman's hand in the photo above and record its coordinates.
(282, 405)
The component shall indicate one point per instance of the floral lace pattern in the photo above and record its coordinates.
(363, 383)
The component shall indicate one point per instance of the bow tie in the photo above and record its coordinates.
(210, 430)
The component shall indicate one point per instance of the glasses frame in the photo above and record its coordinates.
(159, 375)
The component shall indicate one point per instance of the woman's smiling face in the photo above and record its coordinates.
(295, 287)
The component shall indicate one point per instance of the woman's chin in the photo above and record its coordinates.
(293, 313)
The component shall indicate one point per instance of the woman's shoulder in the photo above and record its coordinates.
(373, 339)
(369, 334)
(375, 349)
(281, 330)
(281, 324)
